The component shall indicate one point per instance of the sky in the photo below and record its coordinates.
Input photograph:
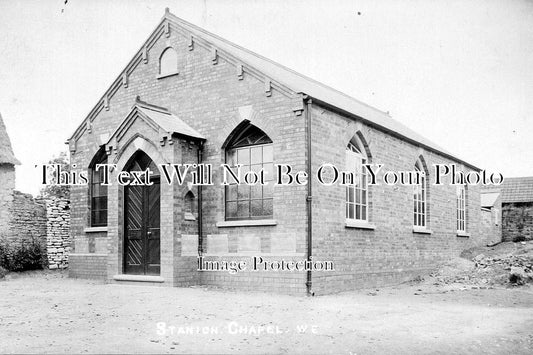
(458, 72)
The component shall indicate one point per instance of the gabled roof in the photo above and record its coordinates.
(6, 152)
(159, 118)
(168, 121)
(302, 84)
(278, 73)
(518, 189)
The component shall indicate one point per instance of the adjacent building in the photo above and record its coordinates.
(7, 178)
(517, 209)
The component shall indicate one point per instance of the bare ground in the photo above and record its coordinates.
(47, 312)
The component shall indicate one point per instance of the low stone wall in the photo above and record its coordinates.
(517, 221)
(46, 222)
(57, 232)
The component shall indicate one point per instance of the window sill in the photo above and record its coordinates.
(359, 224)
(95, 229)
(422, 230)
(463, 234)
(162, 76)
(253, 253)
(189, 217)
(247, 223)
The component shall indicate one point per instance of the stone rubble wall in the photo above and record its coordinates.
(46, 222)
(517, 220)
(57, 232)
(27, 219)
(7, 185)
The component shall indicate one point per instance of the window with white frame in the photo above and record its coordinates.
(419, 198)
(461, 208)
(357, 190)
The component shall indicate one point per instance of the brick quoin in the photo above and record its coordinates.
(209, 96)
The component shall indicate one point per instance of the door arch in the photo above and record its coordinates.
(142, 220)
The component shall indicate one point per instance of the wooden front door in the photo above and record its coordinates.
(142, 252)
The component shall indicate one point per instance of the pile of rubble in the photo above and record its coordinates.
(519, 267)
(507, 267)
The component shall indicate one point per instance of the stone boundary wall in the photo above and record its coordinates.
(27, 219)
(57, 232)
(46, 222)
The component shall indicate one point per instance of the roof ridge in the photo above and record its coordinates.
(179, 19)
(139, 102)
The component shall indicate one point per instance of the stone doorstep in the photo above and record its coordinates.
(138, 278)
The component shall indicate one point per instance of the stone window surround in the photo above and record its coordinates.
(95, 229)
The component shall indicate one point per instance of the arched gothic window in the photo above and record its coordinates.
(420, 205)
(461, 208)
(357, 191)
(251, 148)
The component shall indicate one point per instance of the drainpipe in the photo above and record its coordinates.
(200, 238)
(309, 198)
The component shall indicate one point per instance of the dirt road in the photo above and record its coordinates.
(53, 314)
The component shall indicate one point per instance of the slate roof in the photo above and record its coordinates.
(294, 81)
(158, 118)
(518, 189)
(6, 152)
(168, 121)
(305, 85)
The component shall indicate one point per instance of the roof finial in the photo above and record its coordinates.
(167, 11)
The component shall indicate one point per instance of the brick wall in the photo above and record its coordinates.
(517, 221)
(88, 266)
(391, 252)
